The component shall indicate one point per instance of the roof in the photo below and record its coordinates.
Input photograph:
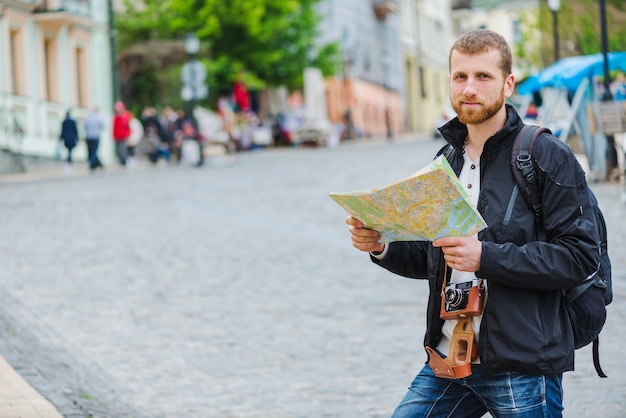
(490, 4)
(569, 72)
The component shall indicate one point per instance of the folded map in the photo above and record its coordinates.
(428, 205)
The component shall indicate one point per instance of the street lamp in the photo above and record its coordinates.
(605, 47)
(115, 76)
(193, 74)
(554, 6)
(192, 44)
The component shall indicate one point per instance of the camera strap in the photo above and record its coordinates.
(463, 351)
(463, 347)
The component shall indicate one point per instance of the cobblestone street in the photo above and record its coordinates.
(233, 290)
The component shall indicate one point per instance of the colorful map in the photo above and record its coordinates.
(428, 205)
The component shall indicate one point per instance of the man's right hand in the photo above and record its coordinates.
(364, 239)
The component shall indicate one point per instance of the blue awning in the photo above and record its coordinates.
(569, 72)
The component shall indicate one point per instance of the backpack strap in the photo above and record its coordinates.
(525, 175)
(572, 294)
(523, 167)
(595, 347)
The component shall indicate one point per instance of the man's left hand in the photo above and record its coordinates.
(461, 253)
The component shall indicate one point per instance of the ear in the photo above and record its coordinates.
(509, 85)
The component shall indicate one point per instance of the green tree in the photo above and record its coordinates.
(579, 28)
(144, 87)
(137, 24)
(270, 39)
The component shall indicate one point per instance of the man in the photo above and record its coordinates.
(69, 136)
(523, 334)
(94, 126)
(121, 131)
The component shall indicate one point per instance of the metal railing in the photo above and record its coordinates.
(12, 138)
(610, 117)
(79, 7)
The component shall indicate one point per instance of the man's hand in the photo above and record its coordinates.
(461, 253)
(362, 238)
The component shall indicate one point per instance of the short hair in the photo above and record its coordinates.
(479, 41)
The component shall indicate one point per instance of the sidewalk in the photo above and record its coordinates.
(18, 399)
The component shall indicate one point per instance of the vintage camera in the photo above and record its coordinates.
(462, 300)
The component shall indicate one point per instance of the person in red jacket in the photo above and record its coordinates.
(241, 95)
(121, 131)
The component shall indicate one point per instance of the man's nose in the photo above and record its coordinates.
(470, 87)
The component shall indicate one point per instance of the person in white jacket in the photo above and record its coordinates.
(136, 135)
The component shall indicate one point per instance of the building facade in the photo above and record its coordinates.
(516, 20)
(367, 92)
(55, 56)
(426, 38)
(395, 55)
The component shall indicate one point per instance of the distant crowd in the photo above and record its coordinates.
(152, 136)
(169, 135)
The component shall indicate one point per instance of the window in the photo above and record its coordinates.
(422, 75)
(49, 67)
(81, 82)
(17, 71)
(517, 31)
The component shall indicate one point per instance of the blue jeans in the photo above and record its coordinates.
(92, 152)
(502, 395)
(120, 150)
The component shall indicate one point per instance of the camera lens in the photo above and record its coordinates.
(454, 298)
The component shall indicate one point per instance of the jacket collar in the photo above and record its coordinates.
(454, 132)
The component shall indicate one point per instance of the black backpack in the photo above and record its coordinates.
(585, 303)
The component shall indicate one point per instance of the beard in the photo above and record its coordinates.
(475, 117)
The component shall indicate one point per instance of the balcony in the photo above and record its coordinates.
(63, 12)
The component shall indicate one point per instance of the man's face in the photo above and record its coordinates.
(478, 88)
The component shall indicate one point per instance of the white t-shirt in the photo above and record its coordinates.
(470, 179)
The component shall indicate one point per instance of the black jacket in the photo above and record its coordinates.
(69, 133)
(525, 325)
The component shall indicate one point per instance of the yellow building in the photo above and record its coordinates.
(426, 39)
(55, 56)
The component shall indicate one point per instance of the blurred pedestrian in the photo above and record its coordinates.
(350, 131)
(135, 137)
(167, 122)
(181, 119)
(150, 122)
(241, 94)
(69, 136)
(121, 131)
(179, 136)
(531, 111)
(619, 87)
(190, 133)
(618, 91)
(153, 136)
(226, 113)
(94, 126)
(388, 124)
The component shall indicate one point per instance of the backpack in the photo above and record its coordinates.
(586, 303)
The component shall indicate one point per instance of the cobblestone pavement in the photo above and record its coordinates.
(232, 291)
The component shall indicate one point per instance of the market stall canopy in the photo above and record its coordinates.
(569, 72)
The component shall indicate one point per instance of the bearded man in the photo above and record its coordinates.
(507, 357)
